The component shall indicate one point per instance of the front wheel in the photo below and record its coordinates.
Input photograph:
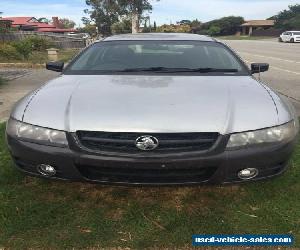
(280, 40)
(292, 40)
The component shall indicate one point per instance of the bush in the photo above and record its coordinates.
(24, 48)
(8, 52)
(223, 26)
(214, 30)
(39, 43)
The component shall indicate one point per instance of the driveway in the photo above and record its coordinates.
(24, 81)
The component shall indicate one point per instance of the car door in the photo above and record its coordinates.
(283, 36)
(288, 36)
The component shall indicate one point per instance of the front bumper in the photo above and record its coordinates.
(217, 167)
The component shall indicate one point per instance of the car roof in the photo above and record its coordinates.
(160, 36)
(293, 31)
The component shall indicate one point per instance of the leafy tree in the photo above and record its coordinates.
(288, 19)
(107, 12)
(121, 27)
(227, 25)
(66, 23)
(44, 20)
(88, 28)
(196, 26)
(214, 30)
(185, 22)
(104, 13)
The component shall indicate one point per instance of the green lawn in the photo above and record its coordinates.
(36, 213)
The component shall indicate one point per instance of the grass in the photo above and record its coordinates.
(243, 37)
(36, 213)
(42, 57)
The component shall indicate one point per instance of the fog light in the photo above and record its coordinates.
(248, 173)
(46, 170)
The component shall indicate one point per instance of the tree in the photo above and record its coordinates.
(107, 12)
(214, 30)
(104, 13)
(288, 19)
(66, 23)
(196, 26)
(88, 28)
(154, 26)
(44, 20)
(135, 9)
(227, 25)
(185, 22)
(121, 27)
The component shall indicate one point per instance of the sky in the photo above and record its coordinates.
(164, 11)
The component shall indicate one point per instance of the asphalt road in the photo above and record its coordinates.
(284, 60)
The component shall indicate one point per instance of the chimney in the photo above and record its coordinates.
(56, 22)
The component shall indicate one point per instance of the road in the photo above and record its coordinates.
(284, 60)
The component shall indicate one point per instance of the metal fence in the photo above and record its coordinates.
(59, 40)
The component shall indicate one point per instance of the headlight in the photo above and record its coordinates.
(283, 133)
(36, 134)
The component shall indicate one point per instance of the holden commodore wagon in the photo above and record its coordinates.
(154, 109)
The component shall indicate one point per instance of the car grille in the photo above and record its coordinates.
(146, 175)
(125, 142)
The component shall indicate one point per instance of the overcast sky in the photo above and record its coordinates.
(164, 11)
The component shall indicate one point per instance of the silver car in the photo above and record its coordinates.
(154, 109)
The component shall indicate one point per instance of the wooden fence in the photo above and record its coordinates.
(268, 32)
(59, 40)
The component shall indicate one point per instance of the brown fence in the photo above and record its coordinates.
(267, 32)
(60, 41)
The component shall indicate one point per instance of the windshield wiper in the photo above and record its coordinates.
(178, 70)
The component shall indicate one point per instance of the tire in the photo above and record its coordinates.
(280, 40)
(292, 40)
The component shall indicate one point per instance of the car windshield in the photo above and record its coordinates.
(296, 33)
(157, 57)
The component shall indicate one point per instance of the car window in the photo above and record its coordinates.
(296, 33)
(130, 55)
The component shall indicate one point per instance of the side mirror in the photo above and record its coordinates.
(259, 67)
(55, 66)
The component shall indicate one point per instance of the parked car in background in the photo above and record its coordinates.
(290, 37)
(154, 109)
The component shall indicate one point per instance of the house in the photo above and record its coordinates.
(250, 26)
(32, 24)
(5, 24)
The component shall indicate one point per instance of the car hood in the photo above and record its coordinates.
(156, 103)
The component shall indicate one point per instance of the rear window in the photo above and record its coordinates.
(119, 56)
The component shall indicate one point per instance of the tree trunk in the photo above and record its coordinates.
(135, 23)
